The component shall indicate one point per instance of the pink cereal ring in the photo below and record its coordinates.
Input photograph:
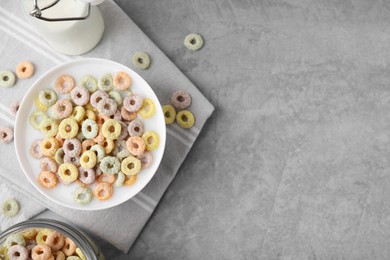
(126, 115)
(107, 107)
(72, 159)
(35, 149)
(72, 147)
(124, 133)
(146, 160)
(64, 84)
(80, 96)
(14, 107)
(6, 135)
(41, 252)
(122, 81)
(17, 252)
(117, 116)
(86, 176)
(62, 108)
(48, 164)
(97, 96)
(133, 103)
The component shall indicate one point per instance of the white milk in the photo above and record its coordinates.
(68, 37)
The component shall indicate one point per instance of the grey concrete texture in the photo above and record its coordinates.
(294, 163)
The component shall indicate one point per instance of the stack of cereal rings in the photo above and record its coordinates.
(93, 135)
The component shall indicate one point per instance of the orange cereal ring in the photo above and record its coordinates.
(59, 139)
(48, 179)
(41, 252)
(55, 241)
(103, 191)
(108, 178)
(108, 145)
(86, 145)
(49, 146)
(126, 115)
(100, 137)
(122, 81)
(64, 84)
(135, 145)
(130, 180)
(24, 70)
(100, 119)
(69, 247)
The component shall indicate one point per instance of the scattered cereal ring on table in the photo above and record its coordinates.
(36, 118)
(6, 135)
(90, 83)
(47, 97)
(69, 247)
(64, 84)
(35, 149)
(62, 108)
(135, 145)
(151, 139)
(47, 179)
(49, 146)
(55, 240)
(106, 82)
(141, 60)
(148, 108)
(130, 165)
(135, 128)
(24, 70)
(193, 41)
(15, 239)
(7, 79)
(49, 127)
(169, 114)
(97, 96)
(111, 129)
(14, 107)
(103, 191)
(130, 179)
(107, 107)
(17, 252)
(181, 99)
(41, 252)
(185, 119)
(88, 159)
(110, 165)
(48, 164)
(82, 195)
(68, 128)
(80, 96)
(86, 176)
(10, 208)
(68, 172)
(122, 81)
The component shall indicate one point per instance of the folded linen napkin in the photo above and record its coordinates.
(121, 39)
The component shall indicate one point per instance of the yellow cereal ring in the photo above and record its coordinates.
(68, 128)
(30, 234)
(40, 106)
(88, 107)
(36, 118)
(88, 159)
(80, 254)
(185, 119)
(152, 140)
(148, 108)
(169, 114)
(130, 179)
(78, 113)
(42, 236)
(108, 145)
(68, 173)
(49, 127)
(131, 166)
(89, 114)
(49, 146)
(111, 129)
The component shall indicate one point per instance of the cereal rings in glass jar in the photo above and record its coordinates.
(55, 240)
(69, 247)
(17, 252)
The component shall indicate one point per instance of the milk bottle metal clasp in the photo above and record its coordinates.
(37, 13)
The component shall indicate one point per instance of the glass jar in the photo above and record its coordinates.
(87, 246)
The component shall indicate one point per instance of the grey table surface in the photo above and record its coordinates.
(294, 163)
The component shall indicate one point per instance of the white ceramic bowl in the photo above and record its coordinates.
(25, 134)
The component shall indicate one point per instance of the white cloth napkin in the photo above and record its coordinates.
(122, 224)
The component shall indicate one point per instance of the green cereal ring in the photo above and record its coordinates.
(42, 236)
(99, 151)
(15, 239)
(68, 128)
(111, 129)
(110, 165)
(10, 208)
(89, 128)
(185, 119)
(78, 113)
(90, 83)
(141, 60)
(169, 114)
(7, 79)
(115, 96)
(88, 159)
(47, 97)
(148, 108)
(68, 173)
(131, 166)
(152, 140)
(106, 82)
(59, 156)
(82, 195)
(193, 41)
(119, 179)
(49, 127)
(36, 118)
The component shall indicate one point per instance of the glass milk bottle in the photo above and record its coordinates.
(72, 27)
